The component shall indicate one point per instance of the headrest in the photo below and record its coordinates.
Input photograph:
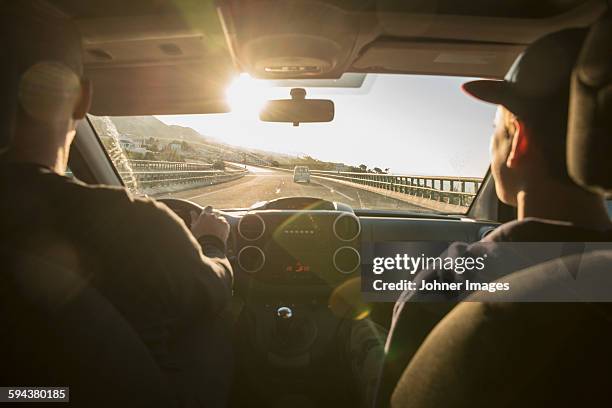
(589, 138)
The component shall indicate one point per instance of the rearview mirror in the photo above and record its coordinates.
(298, 110)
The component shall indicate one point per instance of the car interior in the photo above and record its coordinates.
(297, 258)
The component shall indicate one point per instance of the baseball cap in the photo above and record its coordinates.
(538, 81)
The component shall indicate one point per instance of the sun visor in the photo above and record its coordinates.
(158, 90)
(439, 58)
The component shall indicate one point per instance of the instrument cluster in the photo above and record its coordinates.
(296, 246)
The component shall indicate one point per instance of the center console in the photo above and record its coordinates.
(289, 267)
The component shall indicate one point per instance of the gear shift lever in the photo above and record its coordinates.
(283, 323)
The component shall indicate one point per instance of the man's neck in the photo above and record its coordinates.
(55, 163)
(563, 202)
(43, 150)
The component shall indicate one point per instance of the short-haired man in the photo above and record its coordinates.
(173, 290)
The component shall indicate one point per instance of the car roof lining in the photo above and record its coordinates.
(168, 57)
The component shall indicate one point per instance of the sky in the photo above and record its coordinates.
(416, 125)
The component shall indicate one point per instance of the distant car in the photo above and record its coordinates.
(301, 174)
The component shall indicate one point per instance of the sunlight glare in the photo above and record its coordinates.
(246, 96)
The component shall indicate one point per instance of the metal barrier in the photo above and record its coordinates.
(452, 190)
(153, 165)
(164, 176)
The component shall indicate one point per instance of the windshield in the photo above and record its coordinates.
(400, 142)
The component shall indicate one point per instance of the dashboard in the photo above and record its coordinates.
(305, 247)
(297, 265)
(289, 244)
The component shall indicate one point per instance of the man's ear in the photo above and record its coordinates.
(520, 143)
(84, 102)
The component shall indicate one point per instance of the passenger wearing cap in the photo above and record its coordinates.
(171, 285)
(528, 164)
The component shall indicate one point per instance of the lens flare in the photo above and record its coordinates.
(246, 96)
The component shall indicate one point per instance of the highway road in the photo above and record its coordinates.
(266, 184)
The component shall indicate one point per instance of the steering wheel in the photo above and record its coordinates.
(182, 208)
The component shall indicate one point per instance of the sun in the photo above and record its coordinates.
(246, 96)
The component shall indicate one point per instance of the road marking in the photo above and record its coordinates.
(331, 190)
(278, 189)
(342, 194)
(359, 197)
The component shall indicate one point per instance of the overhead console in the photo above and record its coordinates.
(291, 39)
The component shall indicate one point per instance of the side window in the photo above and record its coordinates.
(609, 202)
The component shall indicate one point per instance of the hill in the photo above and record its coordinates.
(150, 126)
(201, 147)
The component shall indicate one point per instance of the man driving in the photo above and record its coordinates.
(528, 165)
(174, 290)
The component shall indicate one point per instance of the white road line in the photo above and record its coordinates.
(331, 190)
(343, 195)
(359, 197)
(278, 188)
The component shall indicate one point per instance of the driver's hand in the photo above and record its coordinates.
(209, 222)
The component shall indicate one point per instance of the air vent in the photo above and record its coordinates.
(346, 260)
(100, 54)
(171, 49)
(346, 227)
(251, 259)
(251, 227)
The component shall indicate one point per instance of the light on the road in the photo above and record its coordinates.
(246, 96)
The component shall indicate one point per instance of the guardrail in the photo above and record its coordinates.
(450, 190)
(154, 165)
(157, 177)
